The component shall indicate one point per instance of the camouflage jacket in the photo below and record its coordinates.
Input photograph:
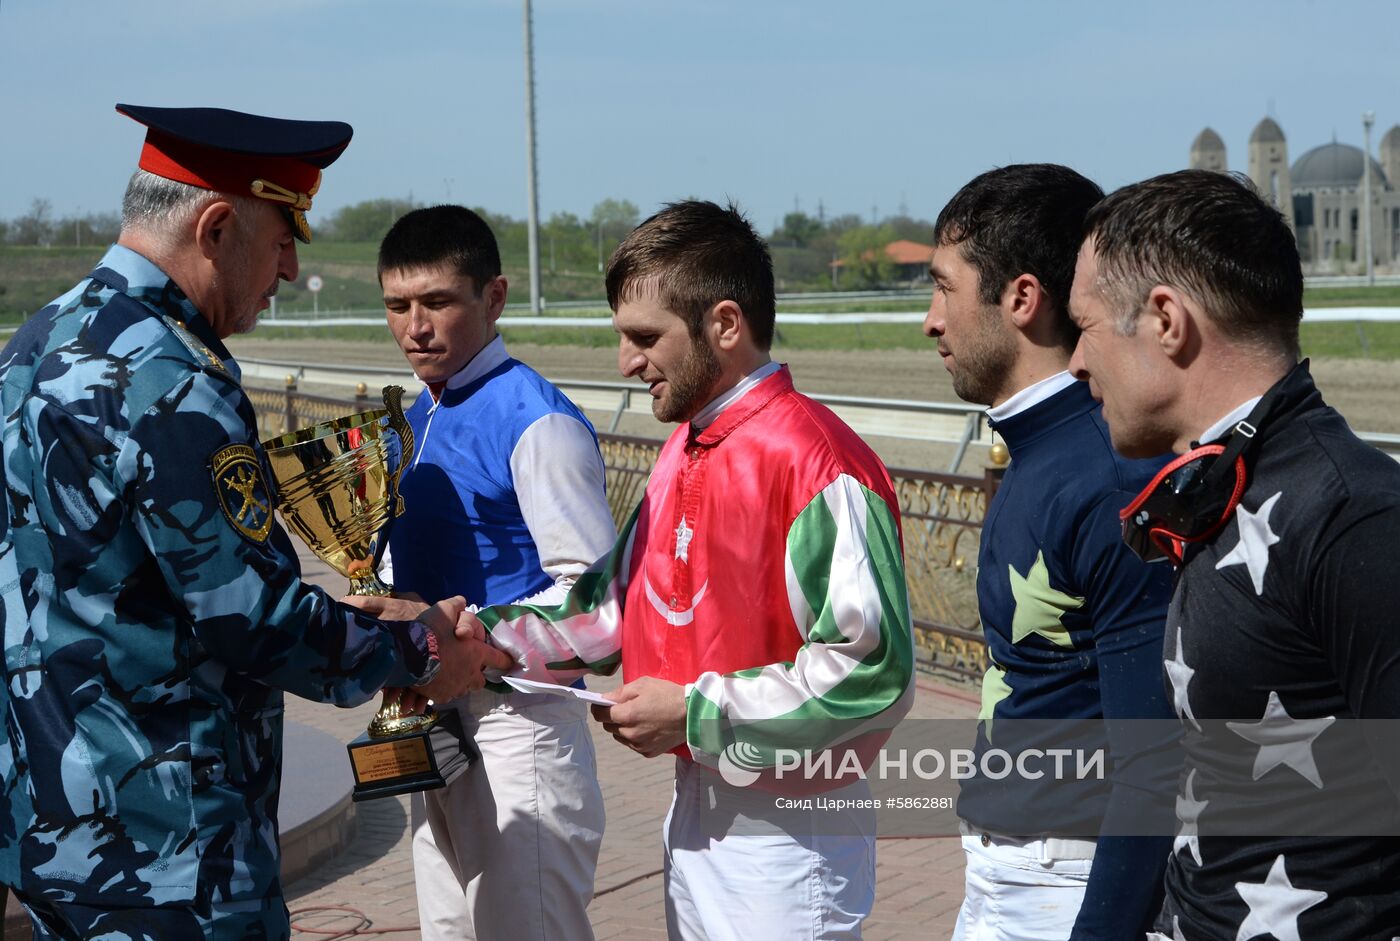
(153, 608)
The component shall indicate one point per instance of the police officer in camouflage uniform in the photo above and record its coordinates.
(153, 610)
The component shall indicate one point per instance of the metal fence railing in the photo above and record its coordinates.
(942, 522)
(956, 424)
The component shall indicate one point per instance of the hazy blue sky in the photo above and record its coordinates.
(858, 105)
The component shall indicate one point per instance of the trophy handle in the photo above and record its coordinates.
(393, 401)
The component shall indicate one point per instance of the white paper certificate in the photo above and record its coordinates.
(554, 689)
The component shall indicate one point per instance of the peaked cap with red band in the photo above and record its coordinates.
(241, 154)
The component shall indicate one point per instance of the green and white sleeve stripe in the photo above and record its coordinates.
(582, 634)
(853, 673)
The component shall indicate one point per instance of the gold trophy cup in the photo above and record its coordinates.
(338, 489)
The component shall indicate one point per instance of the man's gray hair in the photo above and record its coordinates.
(162, 208)
(1125, 293)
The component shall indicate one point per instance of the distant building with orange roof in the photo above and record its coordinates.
(910, 259)
(904, 252)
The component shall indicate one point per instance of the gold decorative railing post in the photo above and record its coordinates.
(289, 412)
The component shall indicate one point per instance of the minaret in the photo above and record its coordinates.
(1268, 166)
(1208, 152)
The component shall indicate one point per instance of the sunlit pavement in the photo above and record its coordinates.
(370, 884)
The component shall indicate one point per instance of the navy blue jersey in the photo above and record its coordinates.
(1074, 624)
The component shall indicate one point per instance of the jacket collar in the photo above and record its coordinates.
(1025, 427)
(140, 279)
(485, 361)
(753, 402)
(1031, 396)
(1291, 396)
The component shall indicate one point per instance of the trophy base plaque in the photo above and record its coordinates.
(419, 760)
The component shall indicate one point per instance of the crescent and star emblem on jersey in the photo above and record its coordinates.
(683, 536)
(242, 491)
(673, 617)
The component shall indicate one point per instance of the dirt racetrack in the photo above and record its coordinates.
(1367, 392)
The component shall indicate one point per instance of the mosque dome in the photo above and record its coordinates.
(1333, 165)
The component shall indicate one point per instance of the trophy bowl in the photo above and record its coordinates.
(337, 487)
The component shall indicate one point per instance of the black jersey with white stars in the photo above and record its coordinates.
(1283, 661)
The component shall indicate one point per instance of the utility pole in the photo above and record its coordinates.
(533, 227)
(1367, 119)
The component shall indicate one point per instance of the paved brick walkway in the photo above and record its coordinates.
(919, 887)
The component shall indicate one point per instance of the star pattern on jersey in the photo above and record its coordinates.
(1038, 606)
(683, 536)
(1252, 551)
(1274, 905)
(994, 690)
(1180, 676)
(1188, 811)
(1283, 740)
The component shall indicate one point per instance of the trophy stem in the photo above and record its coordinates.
(390, 720)
(368, 583)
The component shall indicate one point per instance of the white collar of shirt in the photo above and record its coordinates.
(1032, 394)
(488, 358)
(706, 416)
(1229, 421)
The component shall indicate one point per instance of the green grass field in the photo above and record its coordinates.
(31, 277)
(1382, 295)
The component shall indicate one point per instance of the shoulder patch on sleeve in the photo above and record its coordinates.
(203, 356)
(243, 493)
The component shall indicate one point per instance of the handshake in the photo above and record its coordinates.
(461, 646)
